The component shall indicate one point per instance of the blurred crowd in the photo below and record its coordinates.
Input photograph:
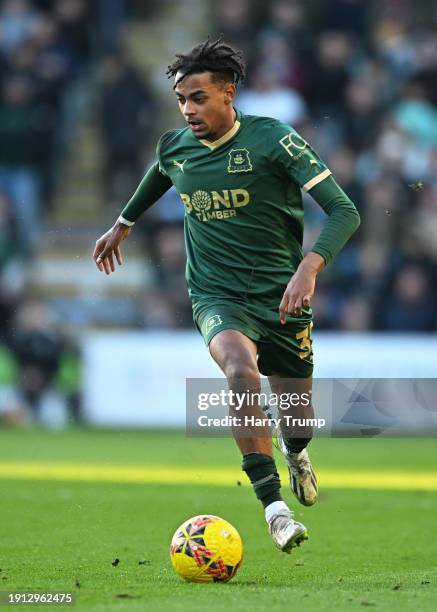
(359, 81)
(44, 47)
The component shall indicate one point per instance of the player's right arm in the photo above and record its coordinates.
(152, 187)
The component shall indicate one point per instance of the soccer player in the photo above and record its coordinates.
(240, 180)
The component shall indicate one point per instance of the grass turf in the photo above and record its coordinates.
(367, 548)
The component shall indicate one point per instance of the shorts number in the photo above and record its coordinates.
(304, 338)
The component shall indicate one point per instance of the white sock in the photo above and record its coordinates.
(274, 508)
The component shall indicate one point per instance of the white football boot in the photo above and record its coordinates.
(303, 481)
(285, 531)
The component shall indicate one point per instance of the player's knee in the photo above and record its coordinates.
(242, 373)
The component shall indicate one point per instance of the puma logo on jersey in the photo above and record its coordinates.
(179, 164)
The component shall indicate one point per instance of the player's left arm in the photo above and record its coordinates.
(301, 164)
(343, 220)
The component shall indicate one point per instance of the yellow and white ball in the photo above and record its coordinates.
(206, 548)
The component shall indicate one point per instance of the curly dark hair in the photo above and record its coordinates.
(223, 61)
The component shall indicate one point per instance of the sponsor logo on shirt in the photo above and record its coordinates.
(293, 144)
(239, 161)
(207, 206)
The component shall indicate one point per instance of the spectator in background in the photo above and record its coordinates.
(385, 205)
(167, 304)
(54, 68)
(329, 75)
(12, 272)
(388, 154)
(420, 236)
(416, 115)
(355, 314)
(111, 15)
(38, 345)
(288, 19)
(278, 57)
(410, 305)
(126, 117)
(375, 263)
(17, 20)
(394, 45)
(266, 95)
(349, 16)
(426, 62)
(361, 120)
(229, 15)
(55, 60)
(73, 17)
(23, 61)
(19, 177)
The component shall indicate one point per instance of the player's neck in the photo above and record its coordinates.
(227, 125)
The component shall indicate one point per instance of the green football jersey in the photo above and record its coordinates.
(243, 206)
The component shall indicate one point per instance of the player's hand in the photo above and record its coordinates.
(301, 287)
(108, 246)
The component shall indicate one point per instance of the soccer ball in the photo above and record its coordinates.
(206, 548)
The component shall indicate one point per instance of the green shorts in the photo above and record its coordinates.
(284, 350)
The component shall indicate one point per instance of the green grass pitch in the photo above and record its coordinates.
(368, 547)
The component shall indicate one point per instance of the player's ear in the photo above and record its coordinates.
(229, 92)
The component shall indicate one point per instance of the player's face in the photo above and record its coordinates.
(205, 104)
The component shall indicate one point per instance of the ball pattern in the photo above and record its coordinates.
(206, 548)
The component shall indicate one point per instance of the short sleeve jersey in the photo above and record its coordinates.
(243, 206)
